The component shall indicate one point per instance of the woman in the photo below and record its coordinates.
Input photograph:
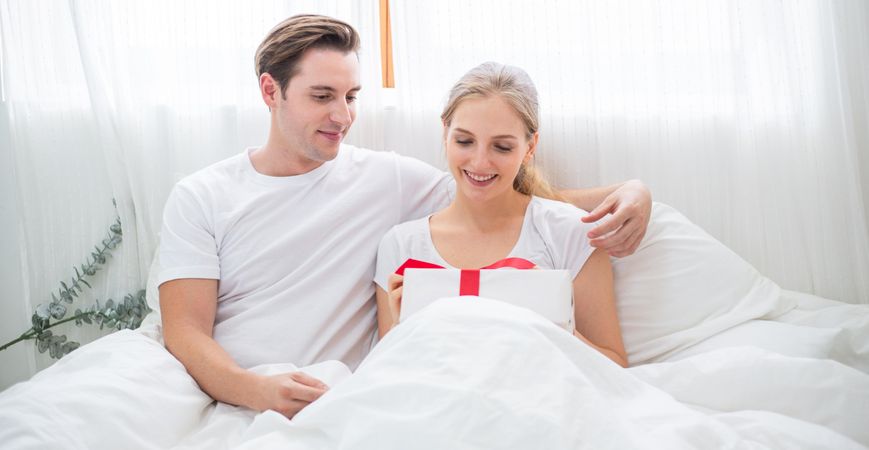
(502, 208)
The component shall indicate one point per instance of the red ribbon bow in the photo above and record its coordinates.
(469, 279)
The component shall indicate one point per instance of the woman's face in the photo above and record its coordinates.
(486, 143)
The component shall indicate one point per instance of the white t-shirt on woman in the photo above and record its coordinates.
(552, 237)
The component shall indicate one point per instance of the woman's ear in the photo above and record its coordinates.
(532, 147)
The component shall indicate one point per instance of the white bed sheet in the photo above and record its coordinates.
(484, 376)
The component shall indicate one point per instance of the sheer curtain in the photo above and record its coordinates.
(749, 116)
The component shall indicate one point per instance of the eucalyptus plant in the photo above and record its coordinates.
(127, 313)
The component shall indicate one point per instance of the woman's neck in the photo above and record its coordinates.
(486, 216)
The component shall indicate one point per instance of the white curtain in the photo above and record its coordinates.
(119, 99)
(748, 116)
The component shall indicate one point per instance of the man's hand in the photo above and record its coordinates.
(631, 208)
(289, 393)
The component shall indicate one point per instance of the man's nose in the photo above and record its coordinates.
(341, 113)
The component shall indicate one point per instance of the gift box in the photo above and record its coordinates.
(546, 292)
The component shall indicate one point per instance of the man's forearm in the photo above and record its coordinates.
(213, 369)
(589, 198)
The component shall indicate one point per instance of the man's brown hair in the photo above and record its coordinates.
(281, 50)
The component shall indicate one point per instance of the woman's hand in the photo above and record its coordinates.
(631, 208)
(395, 284)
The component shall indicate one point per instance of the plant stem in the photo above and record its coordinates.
(30, 334)
(20, 338)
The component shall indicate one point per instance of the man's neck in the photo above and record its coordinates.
(280, 160)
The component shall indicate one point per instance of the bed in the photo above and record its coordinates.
(720, 356)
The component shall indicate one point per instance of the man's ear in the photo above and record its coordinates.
(269, 90)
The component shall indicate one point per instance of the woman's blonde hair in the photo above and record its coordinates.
(514, 86)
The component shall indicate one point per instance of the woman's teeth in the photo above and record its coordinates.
(480, 178)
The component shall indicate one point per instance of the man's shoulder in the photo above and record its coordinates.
(362, 155)
(217, 173)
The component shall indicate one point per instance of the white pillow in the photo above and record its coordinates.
(682, 286)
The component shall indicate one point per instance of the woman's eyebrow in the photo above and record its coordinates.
(500, 136)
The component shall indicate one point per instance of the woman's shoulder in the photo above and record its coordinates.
(555, 220)
(548, 209)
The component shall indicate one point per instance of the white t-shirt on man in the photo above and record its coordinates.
(294, 255)
(552, 237)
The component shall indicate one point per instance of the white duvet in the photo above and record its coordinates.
(479, 375)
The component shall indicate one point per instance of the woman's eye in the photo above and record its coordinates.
(465, 142)
(503, 149)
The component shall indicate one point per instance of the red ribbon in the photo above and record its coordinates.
(469, 279)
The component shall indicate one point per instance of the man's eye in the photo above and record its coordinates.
(351, 99)
(321, 98)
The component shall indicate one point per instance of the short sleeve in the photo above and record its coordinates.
(424, 189)
(567, 235)
(187, 245)
(389, 258)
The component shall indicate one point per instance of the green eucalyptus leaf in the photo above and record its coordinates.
(68, 347)
(42, 345)
(57, 311)
(36, 322)
(42, 311)
(86, 284)
(87, 319)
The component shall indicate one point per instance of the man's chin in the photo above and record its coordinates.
(327, 152)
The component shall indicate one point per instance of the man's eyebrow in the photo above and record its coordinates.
(330, 88)
(500, 136)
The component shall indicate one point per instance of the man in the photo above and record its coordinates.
(269, 256)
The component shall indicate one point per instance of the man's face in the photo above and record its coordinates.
(320, 105)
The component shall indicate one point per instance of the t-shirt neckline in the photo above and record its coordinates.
(526, 223)
(303, 178)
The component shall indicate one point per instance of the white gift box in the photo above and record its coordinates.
(546, 292)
